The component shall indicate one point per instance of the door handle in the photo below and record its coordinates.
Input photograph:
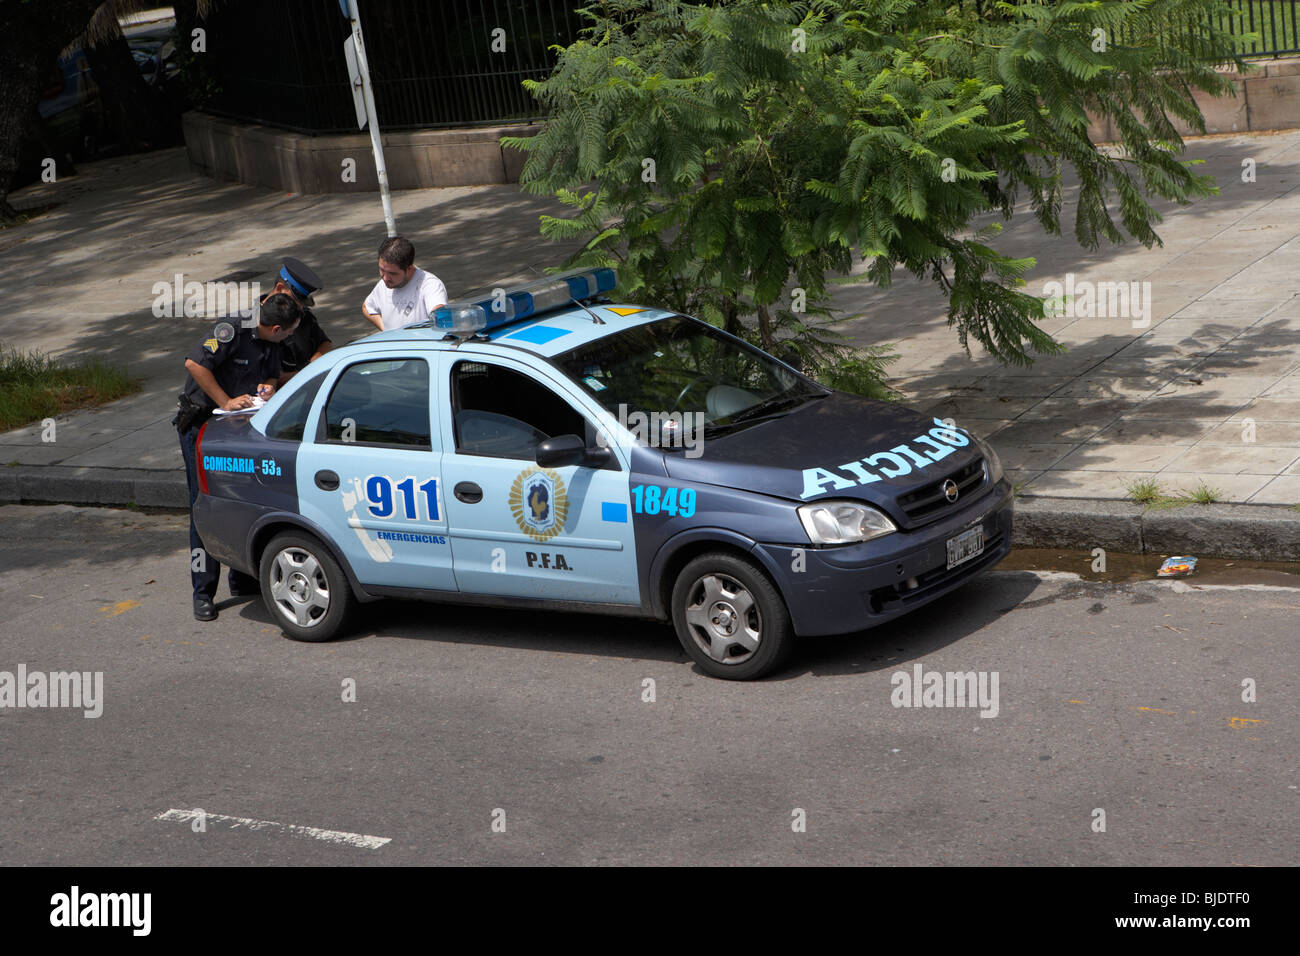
(327, 480)
(469, 492)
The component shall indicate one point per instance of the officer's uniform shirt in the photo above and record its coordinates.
(302, 345)
(240, 363)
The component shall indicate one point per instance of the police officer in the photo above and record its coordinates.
(240, 358)
(309, 341)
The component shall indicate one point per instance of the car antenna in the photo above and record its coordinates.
(596, 320)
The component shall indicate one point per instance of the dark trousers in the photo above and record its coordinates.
(205, 579)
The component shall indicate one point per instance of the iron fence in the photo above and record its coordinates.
(1270, 24)
(1273, 20)
(433, 63)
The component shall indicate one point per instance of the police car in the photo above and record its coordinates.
(546, 448)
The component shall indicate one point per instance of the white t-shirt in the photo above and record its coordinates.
(408, 304)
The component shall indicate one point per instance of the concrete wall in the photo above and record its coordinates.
(1268, 97)
(293, 162)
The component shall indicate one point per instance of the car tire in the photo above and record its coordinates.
(304, 588)
(730, 617)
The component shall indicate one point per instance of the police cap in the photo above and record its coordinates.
(301, 279)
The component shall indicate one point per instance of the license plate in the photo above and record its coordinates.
(965, 546)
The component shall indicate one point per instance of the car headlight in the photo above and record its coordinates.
(843, 522)
(992, 463)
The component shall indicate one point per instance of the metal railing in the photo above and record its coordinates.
(1273, 23)
(1273, 20)
(433, 63)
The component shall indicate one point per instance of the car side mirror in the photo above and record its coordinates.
(560, 451)
(569, 450)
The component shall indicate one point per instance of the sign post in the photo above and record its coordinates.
(354, 50)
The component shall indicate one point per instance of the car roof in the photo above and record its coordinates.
(546, 335)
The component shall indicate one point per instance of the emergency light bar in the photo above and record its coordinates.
(511, 305)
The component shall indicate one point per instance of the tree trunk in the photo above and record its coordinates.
(30, 42)
(21, 82)
(765, 328)
(134, 112)
(730, 321)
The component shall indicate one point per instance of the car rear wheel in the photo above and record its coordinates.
(304, 588)
(730, 617)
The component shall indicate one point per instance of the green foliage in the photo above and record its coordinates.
(728, 159)
(1203, 494)
(196, 76)
(34, 386)
(1145, 491)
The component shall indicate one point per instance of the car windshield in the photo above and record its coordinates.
(679, 365)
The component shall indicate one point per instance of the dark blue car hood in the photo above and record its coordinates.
(801, 455)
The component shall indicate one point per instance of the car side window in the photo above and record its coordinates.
(291, 419)
(501, 413)
(383, 402)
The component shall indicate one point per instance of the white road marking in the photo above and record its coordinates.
(1177, 585)
(1047, 575)
(329, 836)
(1182, 587)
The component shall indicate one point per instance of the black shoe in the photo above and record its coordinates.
(243, 585)
(203, 609)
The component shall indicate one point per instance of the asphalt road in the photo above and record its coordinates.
(496, 736)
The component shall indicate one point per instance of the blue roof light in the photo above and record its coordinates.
(520, 302)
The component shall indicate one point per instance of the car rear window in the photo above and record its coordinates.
(384, 402)
(291, 419)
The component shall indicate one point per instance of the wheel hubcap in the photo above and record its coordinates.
(723, 619)
(299, 588)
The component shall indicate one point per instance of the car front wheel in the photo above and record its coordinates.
(730, 617)
(304, 588)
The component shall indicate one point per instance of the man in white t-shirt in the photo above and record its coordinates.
(404, 294)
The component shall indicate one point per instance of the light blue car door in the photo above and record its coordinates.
(518, 529)
(369, 470)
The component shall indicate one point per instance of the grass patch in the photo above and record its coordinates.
(27, 215)
(34, 386)
(1145, 491)
(1203, 494)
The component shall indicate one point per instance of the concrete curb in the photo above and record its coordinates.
(55, 484)
(1260, 532)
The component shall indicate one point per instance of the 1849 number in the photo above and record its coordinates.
(653, 500)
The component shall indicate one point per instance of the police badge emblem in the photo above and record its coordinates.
(539, 502)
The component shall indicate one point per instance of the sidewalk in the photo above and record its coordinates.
(1207, 391)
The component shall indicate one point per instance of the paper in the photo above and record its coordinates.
(257, 403)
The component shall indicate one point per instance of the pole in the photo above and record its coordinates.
(375, 143)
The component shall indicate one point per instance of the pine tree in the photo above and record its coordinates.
(732, 159)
